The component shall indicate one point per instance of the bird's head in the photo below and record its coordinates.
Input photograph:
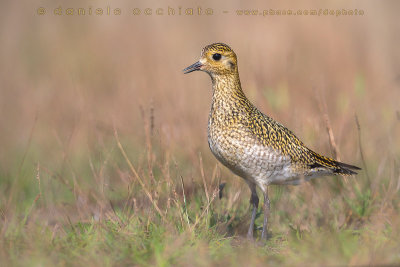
(215, 59)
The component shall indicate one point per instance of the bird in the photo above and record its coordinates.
(251, 144)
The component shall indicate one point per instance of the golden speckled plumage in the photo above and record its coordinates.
(251, 144)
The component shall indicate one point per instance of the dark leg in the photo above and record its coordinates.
(266, 215)
(254, 202)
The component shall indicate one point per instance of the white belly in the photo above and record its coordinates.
(250, 160)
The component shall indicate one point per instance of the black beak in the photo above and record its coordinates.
(195, 66)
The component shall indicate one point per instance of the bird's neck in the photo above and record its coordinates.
(227, 88)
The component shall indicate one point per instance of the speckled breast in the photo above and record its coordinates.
(236, 148)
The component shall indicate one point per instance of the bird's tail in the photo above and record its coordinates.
(335, 166)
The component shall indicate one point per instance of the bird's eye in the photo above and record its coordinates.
(216, 56)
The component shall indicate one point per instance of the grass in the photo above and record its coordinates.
(104, 158)
(154, 215)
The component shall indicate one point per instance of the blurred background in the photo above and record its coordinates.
(67, 80)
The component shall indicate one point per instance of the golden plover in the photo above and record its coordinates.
(251, 144)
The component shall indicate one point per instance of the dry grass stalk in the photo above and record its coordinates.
(215, 193)
(184, 200)
(361, 150)
(204, 181)
(136, 175)
(148, 130)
